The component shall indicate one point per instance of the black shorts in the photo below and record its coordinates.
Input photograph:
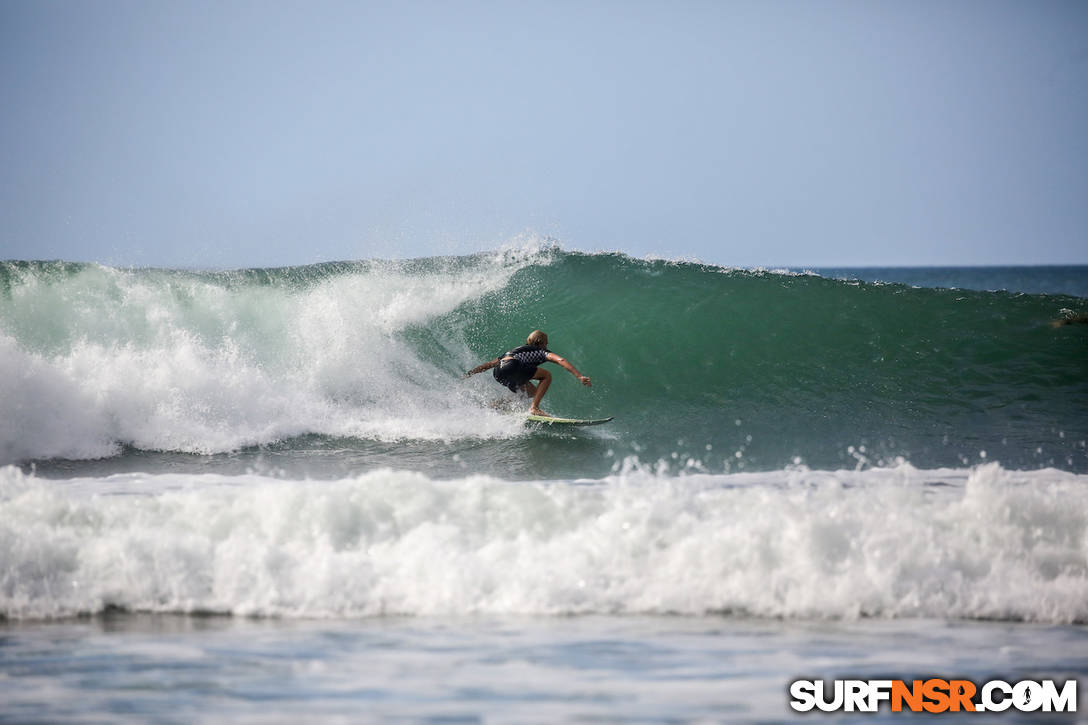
(513, 373)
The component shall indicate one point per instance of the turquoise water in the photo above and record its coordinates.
(336, 368)
(1071, 280)
(268, 495)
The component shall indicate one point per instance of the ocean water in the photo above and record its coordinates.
(268, 495)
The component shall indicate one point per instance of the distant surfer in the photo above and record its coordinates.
(518, 367)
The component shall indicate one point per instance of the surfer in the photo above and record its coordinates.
(516, 368)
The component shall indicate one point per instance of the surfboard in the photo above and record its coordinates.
(566, 421)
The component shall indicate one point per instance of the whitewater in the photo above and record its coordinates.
(266, 495)
(980, 544)
(204, 363)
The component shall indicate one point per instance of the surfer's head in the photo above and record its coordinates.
(537, 339)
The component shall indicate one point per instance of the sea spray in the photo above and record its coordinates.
(95, 357)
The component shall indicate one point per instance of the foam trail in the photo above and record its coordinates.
(986, 543)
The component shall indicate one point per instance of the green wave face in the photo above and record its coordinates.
(702, 367)
(739, 368)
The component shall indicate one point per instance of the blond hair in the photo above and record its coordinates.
(537, 338)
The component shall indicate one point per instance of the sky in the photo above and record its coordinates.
(764, 133)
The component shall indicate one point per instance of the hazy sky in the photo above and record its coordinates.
(213, 134)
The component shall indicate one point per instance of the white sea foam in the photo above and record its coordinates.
(972, 543)
(167, 361)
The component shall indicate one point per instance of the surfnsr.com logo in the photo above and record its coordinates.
(933, 695)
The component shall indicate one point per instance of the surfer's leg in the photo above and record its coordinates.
(545, 379)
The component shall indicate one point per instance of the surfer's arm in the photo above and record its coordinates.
(561, 362)
(480, 368)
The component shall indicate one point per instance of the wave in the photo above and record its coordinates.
(979, 543)
(93, 358)
(737, 369)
